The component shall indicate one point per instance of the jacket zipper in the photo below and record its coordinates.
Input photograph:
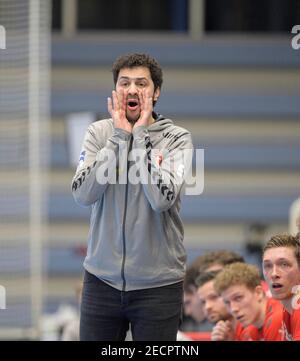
(123, 226)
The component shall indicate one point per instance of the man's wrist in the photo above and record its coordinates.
(122, 133)
(139, 131)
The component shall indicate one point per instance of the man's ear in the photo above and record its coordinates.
(260, 293)
(156, 94)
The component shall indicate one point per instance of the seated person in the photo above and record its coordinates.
(213, 261)
(216, 311)
(191, 304)
(239, 285)
(281, 267)
(216, 260)
(213, 306)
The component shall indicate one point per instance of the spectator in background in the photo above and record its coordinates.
(281, 267)
(210, 261)
(212, 304)
(239, 285)
(191, 304)
(216, 311)
(216, 260)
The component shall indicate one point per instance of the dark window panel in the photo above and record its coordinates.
(56, 14)
(132, 15)
(269, 16)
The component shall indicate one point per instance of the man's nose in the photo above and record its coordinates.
(187, 310)
(274, 272)
(132, 89)
(208, 306)
(233, 308)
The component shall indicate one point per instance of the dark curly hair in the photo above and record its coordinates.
(135, 60)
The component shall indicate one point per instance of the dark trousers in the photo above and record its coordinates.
(106, 312)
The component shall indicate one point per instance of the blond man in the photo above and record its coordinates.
(239, 285)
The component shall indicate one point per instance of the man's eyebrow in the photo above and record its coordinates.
(277, 260)
(283, 259)
(128, 78)
(236, 294)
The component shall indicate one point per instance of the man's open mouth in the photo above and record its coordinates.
(132, 104)
(277, 286)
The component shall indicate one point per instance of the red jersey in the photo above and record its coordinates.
(291, 325)
(271, 329)
(266, 288)
(249, 333)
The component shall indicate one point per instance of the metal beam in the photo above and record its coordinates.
(196, 19)
(69, 17)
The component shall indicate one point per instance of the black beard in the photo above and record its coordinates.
(132, 120)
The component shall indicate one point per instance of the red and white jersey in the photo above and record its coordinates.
(266, 288)
(249, 333)
(271, 329)
(290, 329)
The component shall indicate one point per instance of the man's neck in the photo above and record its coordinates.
(262, 314)
(150, 121)
(287, 304)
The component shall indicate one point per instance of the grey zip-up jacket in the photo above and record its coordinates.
(136, 235)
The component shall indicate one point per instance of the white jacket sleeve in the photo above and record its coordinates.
(90, 182)
(163, 171)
